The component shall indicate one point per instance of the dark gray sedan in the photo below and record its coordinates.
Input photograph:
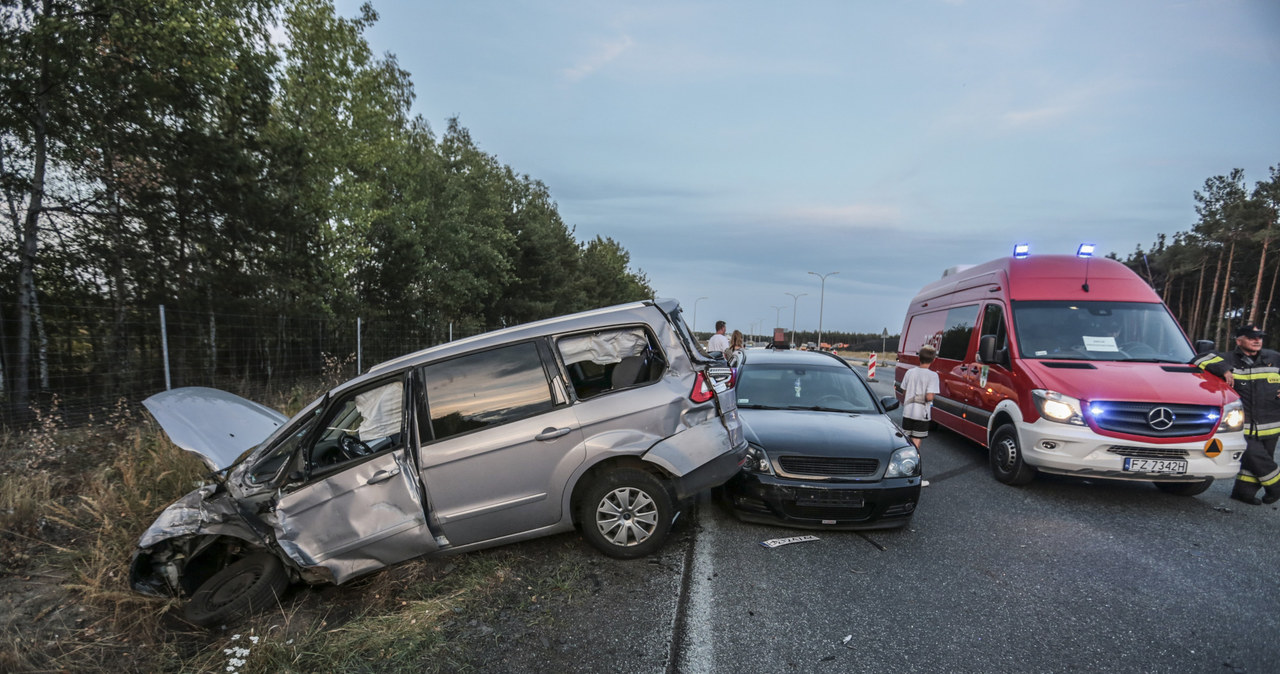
(823, 452)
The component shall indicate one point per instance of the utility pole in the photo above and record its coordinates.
(822, 301)
(795, 299)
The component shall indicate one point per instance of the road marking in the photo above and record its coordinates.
(693, 650)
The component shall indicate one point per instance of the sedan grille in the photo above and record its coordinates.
(828, 466)
(1156, 420)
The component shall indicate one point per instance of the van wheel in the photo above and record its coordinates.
(1185, 488)
(1006, 458)
(251, 584)
(626, 513)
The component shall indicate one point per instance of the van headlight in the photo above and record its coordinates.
(1233, 416)
(904, 463)
(1057, 407)
(757, 460)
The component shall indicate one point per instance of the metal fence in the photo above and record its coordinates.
(88, 358)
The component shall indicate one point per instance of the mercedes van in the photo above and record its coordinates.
(1072, 365)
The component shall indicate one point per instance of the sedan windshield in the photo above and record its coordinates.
(787, 387)
(1124, 331)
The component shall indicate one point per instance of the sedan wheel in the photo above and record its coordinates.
(626, 513)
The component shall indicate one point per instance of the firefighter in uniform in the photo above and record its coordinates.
(1254, 372)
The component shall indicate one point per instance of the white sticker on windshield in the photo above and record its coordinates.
(1100, 343)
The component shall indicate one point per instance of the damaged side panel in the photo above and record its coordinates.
(355, 521)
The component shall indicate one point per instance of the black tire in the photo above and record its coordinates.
(251, 584)
(1185, 488)
(1006, 458)
(626, 513)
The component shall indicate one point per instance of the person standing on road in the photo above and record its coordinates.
(718, 341)
(737, 342)
(919, 386)
(1254, 373)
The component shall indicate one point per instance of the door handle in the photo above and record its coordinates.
(552, 433)
(383, 476)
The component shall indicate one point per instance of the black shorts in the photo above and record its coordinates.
(915, 428)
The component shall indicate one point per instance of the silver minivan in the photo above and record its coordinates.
(606, 420)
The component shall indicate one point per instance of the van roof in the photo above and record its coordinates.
(1048, 277)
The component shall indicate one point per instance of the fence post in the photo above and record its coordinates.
(164, 348)
(359, 350)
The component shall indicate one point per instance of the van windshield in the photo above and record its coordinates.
(1123, 331)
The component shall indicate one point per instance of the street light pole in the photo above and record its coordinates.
(777, 314)
(795, 300)
(695, 316)
(822, 297)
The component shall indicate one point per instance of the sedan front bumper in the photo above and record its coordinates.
(768, 499)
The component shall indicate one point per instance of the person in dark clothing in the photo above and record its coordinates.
(1254, 372)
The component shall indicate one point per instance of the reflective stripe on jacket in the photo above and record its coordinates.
(1256, 380)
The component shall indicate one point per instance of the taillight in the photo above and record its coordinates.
(701, 389)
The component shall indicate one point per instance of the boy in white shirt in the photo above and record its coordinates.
(919, 385)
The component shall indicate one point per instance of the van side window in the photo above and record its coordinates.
(486, 389)
(993, 324)
(608, 360)
(957, 332)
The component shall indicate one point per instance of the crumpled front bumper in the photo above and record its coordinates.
(768, 499)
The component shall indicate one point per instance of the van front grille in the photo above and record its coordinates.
(1148, 452)
(1155, 420)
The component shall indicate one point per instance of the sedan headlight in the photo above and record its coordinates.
(757, 460)
(1057, 407)
(904, 463)
(1233, 416)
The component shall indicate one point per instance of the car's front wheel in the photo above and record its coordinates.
(250, 584)
(1006, 458)
(626, 513)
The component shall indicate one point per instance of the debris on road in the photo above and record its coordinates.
(775, 542)
(848, 641)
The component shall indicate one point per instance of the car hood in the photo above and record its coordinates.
(822, 433)
(217, 425)
(1166, 382)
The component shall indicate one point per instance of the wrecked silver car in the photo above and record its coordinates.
(606, 420)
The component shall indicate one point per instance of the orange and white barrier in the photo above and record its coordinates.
(871, 367)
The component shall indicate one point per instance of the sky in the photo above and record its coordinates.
(733, 147)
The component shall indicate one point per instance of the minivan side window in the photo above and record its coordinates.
(486, 389)
(609, 360)
(957, 332)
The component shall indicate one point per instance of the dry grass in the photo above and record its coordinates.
(68, 527)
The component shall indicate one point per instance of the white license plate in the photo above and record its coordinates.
(1167, 466)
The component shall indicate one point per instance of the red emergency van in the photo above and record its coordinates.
(1072, 365)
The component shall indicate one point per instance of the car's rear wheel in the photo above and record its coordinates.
(1185, 488)
(1006, 458)
(626, 513)
(250, 584)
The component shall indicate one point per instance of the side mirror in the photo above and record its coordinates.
(890, 403)
(1203, 346)
(987, 352)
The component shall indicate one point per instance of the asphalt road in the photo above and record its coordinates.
(1060, 575)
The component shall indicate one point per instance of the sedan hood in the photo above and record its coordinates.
(217, 425)
(822, 433)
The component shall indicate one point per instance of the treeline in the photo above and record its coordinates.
(250, 158)
(1224, 270)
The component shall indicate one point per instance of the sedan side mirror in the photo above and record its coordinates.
(890, 403)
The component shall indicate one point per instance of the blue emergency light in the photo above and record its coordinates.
(1085, 250)
(1021, 250)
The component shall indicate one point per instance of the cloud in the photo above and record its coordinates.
(605, 53)
(851, 214)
